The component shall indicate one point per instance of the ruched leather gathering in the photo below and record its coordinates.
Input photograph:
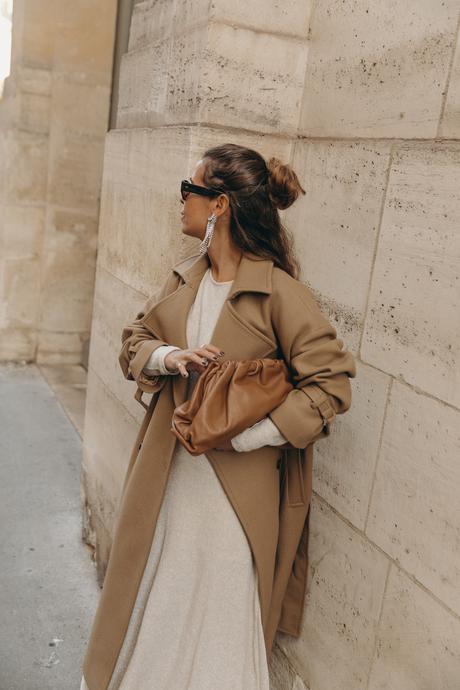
(228, 397)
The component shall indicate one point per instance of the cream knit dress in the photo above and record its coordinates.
(196, 622)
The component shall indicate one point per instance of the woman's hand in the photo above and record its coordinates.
(196, 359)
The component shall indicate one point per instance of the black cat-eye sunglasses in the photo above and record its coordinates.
(186, 187)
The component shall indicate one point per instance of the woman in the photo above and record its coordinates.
(197, 623)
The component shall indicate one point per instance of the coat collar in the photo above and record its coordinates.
(253, 274)
(169, 316)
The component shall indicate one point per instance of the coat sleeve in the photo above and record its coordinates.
(320, 368)
(156, 362)
(138, 343)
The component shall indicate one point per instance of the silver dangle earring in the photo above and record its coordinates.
(209, 233)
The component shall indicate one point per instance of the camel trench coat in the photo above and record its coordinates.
(267, 313)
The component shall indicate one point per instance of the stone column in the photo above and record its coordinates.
(53, 120)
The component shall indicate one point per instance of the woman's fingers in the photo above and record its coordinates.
(183, 370)
(208, 350)
(198, 358)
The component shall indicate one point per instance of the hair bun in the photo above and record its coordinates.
(283, 184)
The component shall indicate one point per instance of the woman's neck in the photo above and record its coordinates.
(224, 262)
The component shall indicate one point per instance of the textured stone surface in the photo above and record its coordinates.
(155, 18)
(412, 327)
(415, 512)
(214, 73)
(68, 272)
(26, 158)
(53, 118)
(107, 446)
(418, 645)
(344, 463)
(140, 225)
(56, 347)
(345, 589)
(450, 123)
(377, 69)
(336, 223)
(115, 305)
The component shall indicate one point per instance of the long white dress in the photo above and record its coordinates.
(196, 623)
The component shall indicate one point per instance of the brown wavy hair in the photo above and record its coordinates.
(256, 190)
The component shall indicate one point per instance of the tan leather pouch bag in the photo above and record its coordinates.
(227, 398)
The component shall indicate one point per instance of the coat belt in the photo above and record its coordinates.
(294, 464)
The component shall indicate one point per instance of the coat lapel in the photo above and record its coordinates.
(168, 318)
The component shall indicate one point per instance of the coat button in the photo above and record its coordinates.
(278, 463)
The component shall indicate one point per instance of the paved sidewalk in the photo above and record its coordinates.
(48, 590)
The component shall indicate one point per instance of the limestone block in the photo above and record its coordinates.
(215, 74)
(34, 27)
(26, 99)
(80, 107)
(34, 113)
(155, 18)
(140, 225)
(32, 80)
(412, 329)
(57, 347)
(290, 18)
(26, 104)
(67, 289)
(418, 644)
(17, 344)
(25, 166)
(449, 126)
(377, 69)
(144, 83)
(299, 684)
(152, 19)
(71, 230)
(75, 170)
(21, 292)
(109, 435)
(115, 306)
(68, 268)
(98, 521)
(415, 512)
(251, 80)
(93, 55)
(344, 463)
(23, 228)
(344, 598)
(335, 225)
(140, 231)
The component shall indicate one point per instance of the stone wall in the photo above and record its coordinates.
(363, 99)
(53, 119)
